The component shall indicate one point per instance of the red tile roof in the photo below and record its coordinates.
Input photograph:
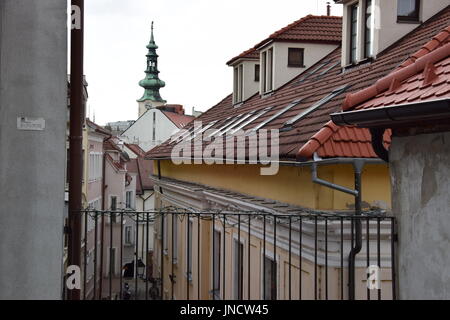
(317, 29)
(425, 76)
(333, 141)
(251, 53)
(180, 120)
(143, 169)
(136, 149)
(324, 29)
(98, 128)
(118, 165)
(111, 145)
(312, 86)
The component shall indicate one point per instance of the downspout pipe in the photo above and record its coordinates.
(377, 143)
(358, 165)
(76, 145)
(328, 184)
(356, 226)
(102, 222)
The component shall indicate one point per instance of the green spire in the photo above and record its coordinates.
(152, 83)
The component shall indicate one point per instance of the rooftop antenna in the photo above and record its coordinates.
(328, 9)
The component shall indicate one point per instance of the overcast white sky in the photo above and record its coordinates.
(195, 38)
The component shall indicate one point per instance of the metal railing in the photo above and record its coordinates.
(179, 254)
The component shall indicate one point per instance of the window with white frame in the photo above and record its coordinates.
(129, 199)
(267, 65)
(238, 83)
(94, 205)
(353, 46)
(95, 166)
(368, 29)
(128, 235)
(267, 71)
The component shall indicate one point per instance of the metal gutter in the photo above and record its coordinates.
(395, 115)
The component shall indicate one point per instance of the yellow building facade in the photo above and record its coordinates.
(204, 189)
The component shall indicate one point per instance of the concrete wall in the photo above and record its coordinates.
(421, 202)
(33, 83)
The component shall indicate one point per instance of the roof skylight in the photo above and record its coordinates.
(276, 115)
(243, 125)
(209, 125)
(336, 92)
(329, 68)
(310, 73)
(226, 125)
(242, 119)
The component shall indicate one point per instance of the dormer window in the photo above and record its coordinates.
(408, 10)
(267, 70)
(368, 29)
(257, 72)
(353, 33)
(296, 57)
(238, 83)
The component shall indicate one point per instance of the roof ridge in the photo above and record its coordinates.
(297, 22)
(430, 52)
(430, 46)
(292, 25)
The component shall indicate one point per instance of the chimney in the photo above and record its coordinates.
(328, 9)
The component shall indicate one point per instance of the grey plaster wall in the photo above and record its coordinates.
(420, 171)
(33, 83)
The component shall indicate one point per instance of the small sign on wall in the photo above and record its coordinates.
(30, 124)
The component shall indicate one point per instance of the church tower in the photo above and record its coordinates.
(151, 83)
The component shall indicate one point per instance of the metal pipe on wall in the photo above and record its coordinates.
(76, 144)
(358, 165)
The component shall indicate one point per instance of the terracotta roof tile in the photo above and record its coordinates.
(324, 29)
(316, 87)
(408, 76)
(309, 29)
(180, 120)
(143, 169)
(251, 53)
(136, 149)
